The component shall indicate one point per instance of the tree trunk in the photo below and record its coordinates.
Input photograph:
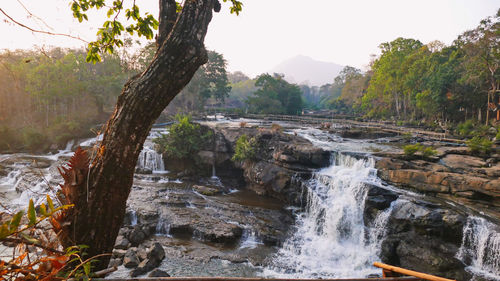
(488, 110)
(100, 206)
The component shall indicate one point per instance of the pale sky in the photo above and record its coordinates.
(268, 32)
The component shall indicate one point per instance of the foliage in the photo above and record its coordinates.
(275, 96)
(184, 139)
(431, 82)
(276, 128)
(210, 83)
(45, 263)
(10, 139)
(109, 36)
(411, 149)
(33, 139)
(426, 151)
(479, 145)
(466, 128)
(245, 149)
(55, 93)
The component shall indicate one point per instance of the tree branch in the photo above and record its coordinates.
(167, 19)
(40, 31)
(24, 241)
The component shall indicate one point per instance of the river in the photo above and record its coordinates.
(330, 237)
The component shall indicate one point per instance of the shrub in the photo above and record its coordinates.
(10, 139)
(426, 151)
(245, 149)
(33, 139)
(184, 139)
(479, 145)
(411, 149)
(276, 128)
(465, 128)
(498, 135)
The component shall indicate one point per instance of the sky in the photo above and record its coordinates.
(268, 32)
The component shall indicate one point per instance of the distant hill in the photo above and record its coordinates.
(305, 70)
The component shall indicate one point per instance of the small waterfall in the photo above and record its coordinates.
(249, 239)
(480, 248)
(151, 160)
(69, 145)
(133, 217)
(331, 239)
(163, 227)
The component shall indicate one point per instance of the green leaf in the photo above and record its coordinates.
(43, 210)
(4, 231)
(86, 268)
(110, 12)
(51, 204)
(29, 238)
(31, 213)
(16, 219)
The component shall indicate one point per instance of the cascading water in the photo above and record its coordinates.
(331, 238)
(480, 248)
(151, 160)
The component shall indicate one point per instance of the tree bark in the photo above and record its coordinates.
(100, 205)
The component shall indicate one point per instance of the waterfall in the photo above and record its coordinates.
(480, 248)
(151, 160)
(331, 239)
(133, 217)
(163, 227)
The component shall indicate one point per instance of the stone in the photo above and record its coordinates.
(208, 191)
(462, 162)
(143, 171)
(137, 236)
(119, 253)
(115, 263)
(156, 252)
(158, 273)
(122, 243)
(130, 260)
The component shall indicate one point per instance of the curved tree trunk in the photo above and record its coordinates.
(100, 205)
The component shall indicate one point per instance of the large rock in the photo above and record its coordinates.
(419, 229)
(130, 260)
(461, 162)
(154, 257)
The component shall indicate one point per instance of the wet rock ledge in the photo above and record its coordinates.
(453, 174)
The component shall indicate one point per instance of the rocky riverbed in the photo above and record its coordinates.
(314, 203)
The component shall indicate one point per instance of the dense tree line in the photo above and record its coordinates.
(55, 94)
(413, 81)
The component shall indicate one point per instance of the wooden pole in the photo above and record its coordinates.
(410, 272)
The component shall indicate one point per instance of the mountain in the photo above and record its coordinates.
(305, 70)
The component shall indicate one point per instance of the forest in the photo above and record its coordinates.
(50, 96)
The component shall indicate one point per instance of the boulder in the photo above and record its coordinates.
(122, 243)
(119, 253)
(137, 236)
(130, 260)
(154, 257)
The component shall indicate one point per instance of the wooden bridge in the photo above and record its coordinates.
(382, 126)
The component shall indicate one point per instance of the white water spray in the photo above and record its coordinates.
(480, 248)
(331, 239)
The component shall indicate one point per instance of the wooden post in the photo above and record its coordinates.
(409, 272)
